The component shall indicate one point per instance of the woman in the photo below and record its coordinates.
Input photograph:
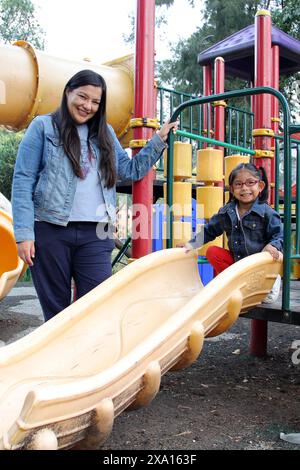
(64, 191)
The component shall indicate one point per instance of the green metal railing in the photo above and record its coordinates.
(216, 142)
(288, 130)
(239, 122)
(169, 100)
(295, 176)
(239, 126)
(121, 252)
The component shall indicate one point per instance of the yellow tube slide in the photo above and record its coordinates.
(31, 84)
(11, 266)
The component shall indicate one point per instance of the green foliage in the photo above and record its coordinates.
(9, 143)
(182, 72)
(225, 18)
(160, 18)
(26, 276)
(222, 18)
(169, 3)
(18, 22)
(287, 17)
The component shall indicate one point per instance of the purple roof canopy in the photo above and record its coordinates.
(238, 52)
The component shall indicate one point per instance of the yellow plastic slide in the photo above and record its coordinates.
(63, 384)
(11, 266)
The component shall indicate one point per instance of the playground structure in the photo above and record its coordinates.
(32, 398)
(159, 314)
(265, 137)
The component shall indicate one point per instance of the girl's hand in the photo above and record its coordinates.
(26, 251)
(276, 255)
(187, 247)
(165, 129)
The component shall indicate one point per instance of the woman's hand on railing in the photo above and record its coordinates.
(165, 129)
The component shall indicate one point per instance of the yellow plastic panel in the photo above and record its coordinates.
(210, 165)
(295, 274)
(211, 200)
(295, 264)
(182, 233)
(233, 161)
(182, 199)
(182, 160)
(9, 255)
(11, 266)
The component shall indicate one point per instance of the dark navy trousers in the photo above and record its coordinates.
(63, 253)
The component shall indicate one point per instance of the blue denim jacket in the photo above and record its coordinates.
(260, 226)
(44, 182)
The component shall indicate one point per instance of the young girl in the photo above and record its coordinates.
(250, 224)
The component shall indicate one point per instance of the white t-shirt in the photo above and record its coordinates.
(88, 204)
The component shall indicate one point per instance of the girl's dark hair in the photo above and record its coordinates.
(97, 128)
(258, 173)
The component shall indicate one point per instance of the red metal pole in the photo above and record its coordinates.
(263, 77)
(263, 143)
(219, 107)
(258, 338)
(274, 112)
(207, 87)
(142, 191)
(219, 86)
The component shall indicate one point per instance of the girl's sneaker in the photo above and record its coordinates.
(274, 292)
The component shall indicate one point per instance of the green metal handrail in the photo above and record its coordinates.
(242, 117)
(288, 130)
(189, 135)
(192, 121)
(278, 138)
(121, 253)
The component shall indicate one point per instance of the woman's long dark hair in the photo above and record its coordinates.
(97, 127)
(258, 173)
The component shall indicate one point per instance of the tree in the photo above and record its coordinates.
(9, 142)
(221, 19)
(18, 21)
(225, 18)
(287, 17)
(160, 18)
(169, 3)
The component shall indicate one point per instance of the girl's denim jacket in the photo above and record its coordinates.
(260, 226)
(44, 182)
